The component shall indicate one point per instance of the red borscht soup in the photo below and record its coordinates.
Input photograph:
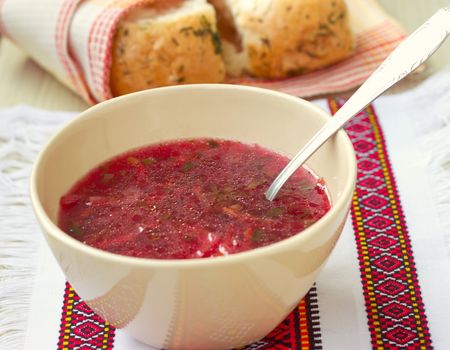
(190, 199)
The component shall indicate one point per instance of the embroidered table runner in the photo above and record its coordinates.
(385, 286)
(83, 64)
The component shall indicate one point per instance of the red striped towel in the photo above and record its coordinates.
(75, 38)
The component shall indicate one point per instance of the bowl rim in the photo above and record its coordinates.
(51, 229)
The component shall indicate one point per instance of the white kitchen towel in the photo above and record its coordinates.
(386, 284)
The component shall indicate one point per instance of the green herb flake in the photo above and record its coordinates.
(205, 23)
(275, 212)
(107, 177)
(266, 41)
(306, 186)
(308, 222)
(304, 215)
(221, 197)
(325, 30)
(213, 188)
(186, 30)
(297, 71)
(75, 231)
(148, 161)
(213, 144)
(165, 217)
(216, 43)
(133, 161)
(257, 235)
(207, 29)
(187, 166)
(311, 54)
(254, 184)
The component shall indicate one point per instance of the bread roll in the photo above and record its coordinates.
(280, 38)
(172, 43)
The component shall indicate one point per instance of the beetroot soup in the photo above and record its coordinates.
(190, 199)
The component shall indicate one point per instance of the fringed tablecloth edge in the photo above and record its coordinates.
(433, 130)
(23, 131)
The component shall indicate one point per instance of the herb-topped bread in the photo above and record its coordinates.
(279, 38)
(169, 43)
(197, 41)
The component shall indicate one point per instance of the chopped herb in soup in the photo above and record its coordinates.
(190, 199)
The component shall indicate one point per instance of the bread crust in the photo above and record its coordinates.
(152, 53)
(267, 39)
(283, 38)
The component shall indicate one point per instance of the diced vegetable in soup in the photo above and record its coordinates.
(190, 199)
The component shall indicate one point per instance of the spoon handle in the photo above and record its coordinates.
(411, 53)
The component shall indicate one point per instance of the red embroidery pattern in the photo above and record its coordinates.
(395, 311)
(81, 328)
(300, 330)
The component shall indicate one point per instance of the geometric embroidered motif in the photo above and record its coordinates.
(300, 330)
(396, 310)
(383, 242)
(375, 202)
(391, 287)
(400, 335)
(379, 222)
(394, 307)
(387, 263)
(82, 329)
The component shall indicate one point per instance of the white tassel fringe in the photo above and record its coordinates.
(23, 131)
(433, 128)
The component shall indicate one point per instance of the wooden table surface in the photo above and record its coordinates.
(23, 82)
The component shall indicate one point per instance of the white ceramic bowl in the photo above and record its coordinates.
(216, 303)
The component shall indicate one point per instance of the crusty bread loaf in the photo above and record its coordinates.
(166, 45)
(176, 41)
(279, 38)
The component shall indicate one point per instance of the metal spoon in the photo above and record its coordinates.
(411, 53)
